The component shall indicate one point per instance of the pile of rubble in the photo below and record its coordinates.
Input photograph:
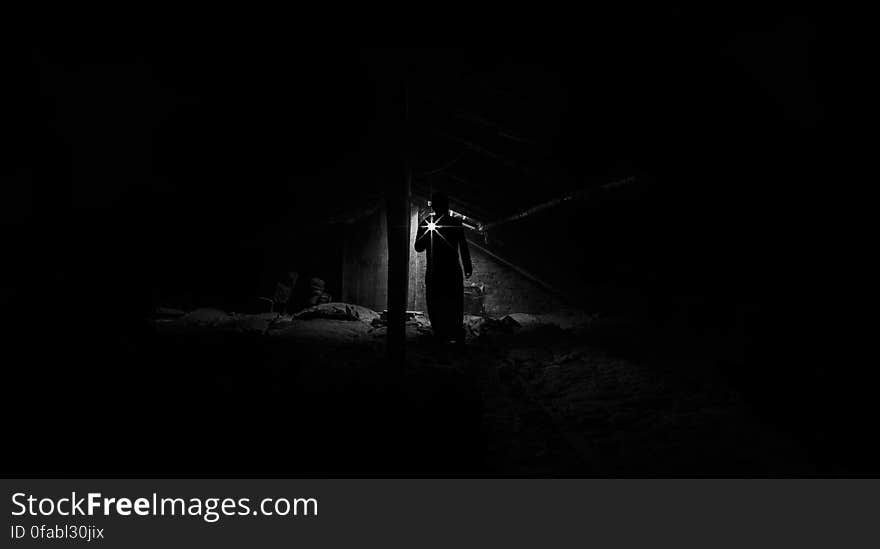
(417, 321)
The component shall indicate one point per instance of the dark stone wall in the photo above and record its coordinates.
(365, 262)
(506, 291)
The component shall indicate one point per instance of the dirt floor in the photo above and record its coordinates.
(522, 398)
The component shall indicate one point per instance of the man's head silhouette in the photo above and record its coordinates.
(440, 203)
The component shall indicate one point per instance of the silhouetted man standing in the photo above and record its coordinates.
(442, 236)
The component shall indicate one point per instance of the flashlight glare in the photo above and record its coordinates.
(432, 226)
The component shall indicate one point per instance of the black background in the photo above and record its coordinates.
(189, 168)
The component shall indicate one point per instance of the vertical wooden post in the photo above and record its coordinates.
(397, 198)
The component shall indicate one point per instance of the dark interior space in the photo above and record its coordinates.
(650, 318)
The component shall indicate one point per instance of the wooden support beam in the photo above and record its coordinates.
(500, 130)
(397, 206)
(398, 216)
(485, 152)
(583, 193)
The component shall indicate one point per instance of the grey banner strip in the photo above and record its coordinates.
(458, 513)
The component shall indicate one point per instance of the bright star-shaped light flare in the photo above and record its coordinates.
(433, 227)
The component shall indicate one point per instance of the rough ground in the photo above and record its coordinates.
(519, 399)
(553, 404)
